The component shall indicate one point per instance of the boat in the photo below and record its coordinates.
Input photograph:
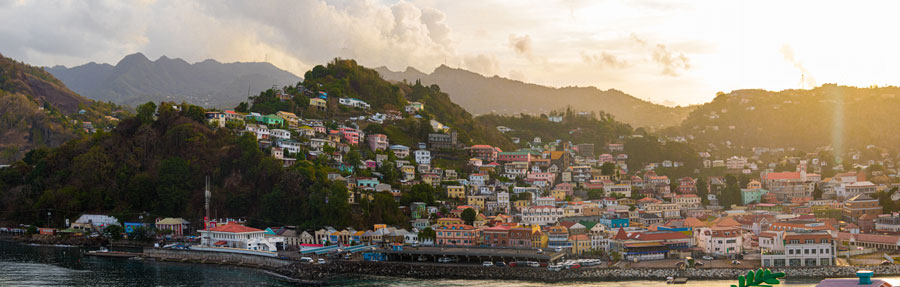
(103, 252)
(673, 280)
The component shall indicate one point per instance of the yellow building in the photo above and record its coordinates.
(318, 103)
(476, 201)
(456, 191)
(522, 203)
(559, 195)
(449, 221)
(539, 239)
(291, 119)
(580, 243)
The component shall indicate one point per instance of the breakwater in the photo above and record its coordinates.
(211, 257)
(342, 269)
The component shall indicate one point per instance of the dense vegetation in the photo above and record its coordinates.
(37, 110)
(837, 116)
(157, 166)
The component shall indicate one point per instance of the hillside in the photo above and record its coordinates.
(136, 79)
(345, 78)
(159, 166)
(38, 110)
(803, 119)
(482, 95)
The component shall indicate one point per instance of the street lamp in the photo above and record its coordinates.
(48, 218)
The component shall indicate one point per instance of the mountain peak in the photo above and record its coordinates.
(135, 58)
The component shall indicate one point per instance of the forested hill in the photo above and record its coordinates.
(482, 95)
(345, 78)
(38, 110)
(158, 165)
(804, 119)
(136, 79)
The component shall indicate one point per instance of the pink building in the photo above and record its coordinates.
(350, 136)
(484, 152)
(515, 156)
(456, 235)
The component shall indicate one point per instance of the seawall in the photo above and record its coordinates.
(308, 271)
(215, 258)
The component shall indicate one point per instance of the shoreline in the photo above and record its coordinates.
(342, 269)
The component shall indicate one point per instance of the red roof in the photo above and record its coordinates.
(621, 235)
(219, 243)
(233, 227)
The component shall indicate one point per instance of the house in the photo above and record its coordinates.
(400, 151)
(485, 153)
(754, 195)
(414, 107)
(291, 119)
(377, 142)
(280, 134)
(353, 102)
(541, 215)
(177, 226)
(94, 222)
(579, 243)
(261, 131)
(456, 191)
(443, 141)
(422, 156)
(318, 103)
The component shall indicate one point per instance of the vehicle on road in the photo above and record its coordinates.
(735, 262)
(321, 261)
(445, 260)
(707, 257)
(487, 264)
(306, 260)
(500, 264)
(554, 268)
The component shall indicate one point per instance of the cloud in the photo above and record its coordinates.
(292, 34)
(671, 62)
(808, 80)
(604, 60)
(483, 64)
(522, 45)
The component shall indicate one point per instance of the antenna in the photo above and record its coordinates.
(802, 81)
(207, 194)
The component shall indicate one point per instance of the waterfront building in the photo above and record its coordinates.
(811, 248)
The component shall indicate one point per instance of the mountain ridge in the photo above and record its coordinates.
(136, 79)
(483, 95)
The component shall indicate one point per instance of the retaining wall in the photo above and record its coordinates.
(215, 257)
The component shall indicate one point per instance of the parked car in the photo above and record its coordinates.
(306, 260)
(707, 257)
(558, 249)
(533, 264)
(735, 262)
(422, 259)
(500, 264)
(487, 264)
(445, 260)
(540, 251)
(321, 261)
(554, 268)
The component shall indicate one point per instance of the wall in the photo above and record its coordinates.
(214, 257)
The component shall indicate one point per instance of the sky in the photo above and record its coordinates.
(667, 52)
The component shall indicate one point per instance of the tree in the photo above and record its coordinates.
(145, 112)
(703, 191)
(468, 216)
(113, 232)
(817, 192)
(427, 233)
(243, 107)
(608, 168)
(732, 193)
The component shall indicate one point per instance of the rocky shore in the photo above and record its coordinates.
(325, 272)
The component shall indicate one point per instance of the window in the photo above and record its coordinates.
(805, 251)
(790, 251)
(813, 251)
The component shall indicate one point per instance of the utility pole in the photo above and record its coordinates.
(48, 218)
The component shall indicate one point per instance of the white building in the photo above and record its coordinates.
(801, 249)
(541, 215)
(422, 156)
(280, 134)
(235, 235)
(623, 189)
(720, 240)
(356, 103)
